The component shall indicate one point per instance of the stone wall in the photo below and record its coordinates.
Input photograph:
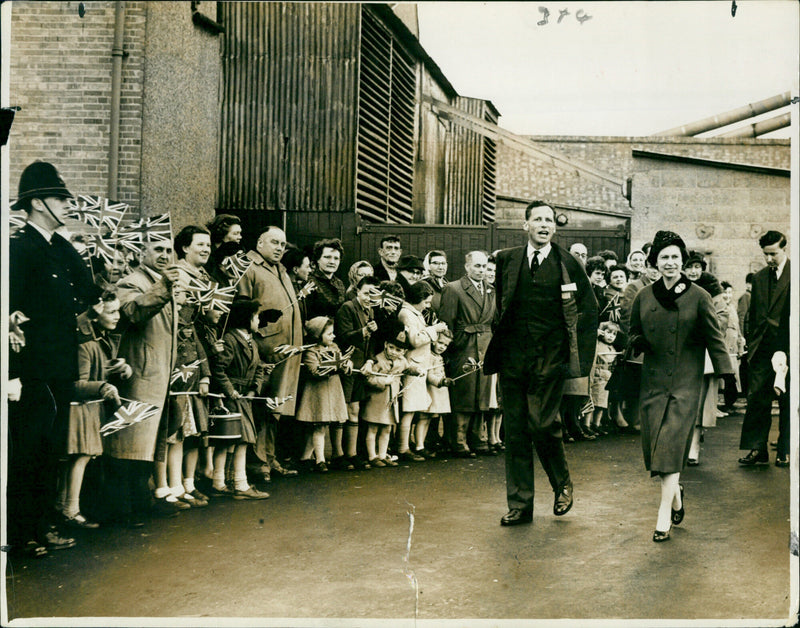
(521, 176)
(181, 117)
(718, 211)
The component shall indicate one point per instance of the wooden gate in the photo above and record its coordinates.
(361, 240)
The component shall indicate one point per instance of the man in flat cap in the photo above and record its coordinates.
(49, 284)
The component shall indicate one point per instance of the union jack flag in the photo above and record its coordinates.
(385, 300)
(332, 360)
(184, 372)
(236, 265)
(198, 289)
(220, 299)
(129, 414)
(152, 229)
(98, 212)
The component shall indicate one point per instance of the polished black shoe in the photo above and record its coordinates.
(660, 537)
(516, 516)
(782, 461)
(754, 457)
(410, 456)
(465, 453)
(563, 500)
(677, 515)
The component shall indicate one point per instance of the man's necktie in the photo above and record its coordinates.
(773, 281)
(535, 263)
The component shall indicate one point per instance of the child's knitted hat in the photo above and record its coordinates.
(316, 326)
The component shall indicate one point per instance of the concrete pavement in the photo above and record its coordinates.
(337, 546)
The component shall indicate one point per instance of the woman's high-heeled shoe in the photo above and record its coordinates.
(660, 537)
(677, 515)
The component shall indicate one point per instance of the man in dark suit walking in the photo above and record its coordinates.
(49, 284)
(545, 331)
(767, 341)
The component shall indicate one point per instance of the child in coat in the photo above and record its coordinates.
(437, 383)
(187, 413)
(239, 374)
(95, 397)
(384, 374)
(322, 403)
(605, 357)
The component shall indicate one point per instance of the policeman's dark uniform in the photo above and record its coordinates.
(50, 284)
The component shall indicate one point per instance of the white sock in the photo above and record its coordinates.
(240, 483)
(188, 484)
(177, 491)
(162, 492)
(219, 478)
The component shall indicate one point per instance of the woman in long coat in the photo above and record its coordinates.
(673, 322)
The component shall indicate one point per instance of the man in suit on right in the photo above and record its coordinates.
(767, 338)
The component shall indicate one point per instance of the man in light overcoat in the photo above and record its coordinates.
(468, 309)
(267, 281)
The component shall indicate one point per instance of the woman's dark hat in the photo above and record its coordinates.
(40, 180)
(410, 262)
(662, 240)
(395, 332)
(695, 258)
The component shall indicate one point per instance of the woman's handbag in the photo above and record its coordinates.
(626, 377)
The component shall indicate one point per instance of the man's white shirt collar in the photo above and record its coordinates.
(543, 252)
(780, 267)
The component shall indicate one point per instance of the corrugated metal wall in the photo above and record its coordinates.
(289, 106)
(471, 165)
(386, 133)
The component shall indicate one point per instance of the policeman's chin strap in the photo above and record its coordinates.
(50, 211)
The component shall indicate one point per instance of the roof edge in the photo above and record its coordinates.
(712, 163)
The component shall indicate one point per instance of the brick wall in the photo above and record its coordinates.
(61, 78)
(61, 69)
(521, 176)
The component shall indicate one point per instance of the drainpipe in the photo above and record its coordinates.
(117, 53)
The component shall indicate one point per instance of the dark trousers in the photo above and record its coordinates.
(531, 404)
(729, 393)
(126, 489)
(758, 416)
(37, 427)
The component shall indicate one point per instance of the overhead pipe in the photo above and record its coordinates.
(729, 117)
(117, 54)
(760, 128)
